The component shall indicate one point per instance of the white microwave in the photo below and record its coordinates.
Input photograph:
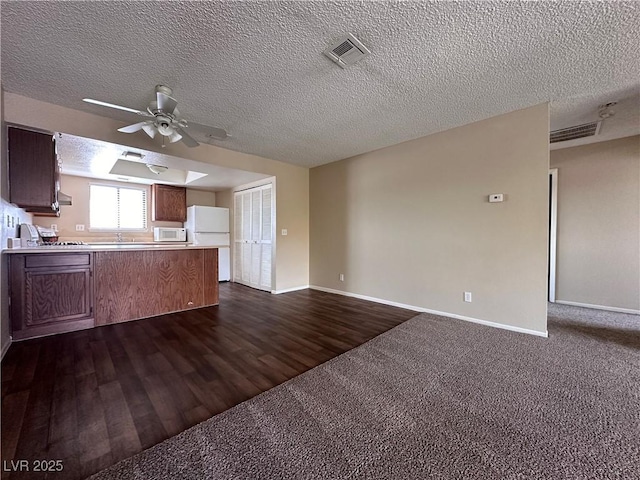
(166, 234)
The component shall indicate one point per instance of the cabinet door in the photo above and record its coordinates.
(50, 294)
(56, 295)
(32, 170)
(168, 203)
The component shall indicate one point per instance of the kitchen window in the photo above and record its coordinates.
(117, 208)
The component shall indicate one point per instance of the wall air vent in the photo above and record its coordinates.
(347, 51)
(571, 133)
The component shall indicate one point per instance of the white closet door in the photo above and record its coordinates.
(237, 238)
(246, 238)
(256, 220)
(253, 221)
(265, 239)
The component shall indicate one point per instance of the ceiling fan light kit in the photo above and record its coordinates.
(164, 119)
(148, 129)
(157, 169)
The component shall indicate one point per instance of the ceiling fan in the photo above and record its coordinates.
(163, 118)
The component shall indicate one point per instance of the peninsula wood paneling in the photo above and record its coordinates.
(138, 284)
(211, 272)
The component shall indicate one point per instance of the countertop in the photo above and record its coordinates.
(109, 247)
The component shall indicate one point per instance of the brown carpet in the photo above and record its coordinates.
(434, 398)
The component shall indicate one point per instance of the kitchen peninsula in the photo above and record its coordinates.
(61, 289)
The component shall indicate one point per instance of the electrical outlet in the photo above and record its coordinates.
(496, 197)
(284, 231)
(79, 227)
(54, 227)
(467, 296)
(342, 277)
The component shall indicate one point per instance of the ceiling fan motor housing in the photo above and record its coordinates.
(164, 125)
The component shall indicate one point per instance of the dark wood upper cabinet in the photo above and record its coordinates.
(168, 203)
(33, 171)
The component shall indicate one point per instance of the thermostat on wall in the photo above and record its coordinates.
(496, 197)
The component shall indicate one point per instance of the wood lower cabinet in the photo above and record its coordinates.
(50, 293)
(138, 284)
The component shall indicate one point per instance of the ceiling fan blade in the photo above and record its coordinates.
(215, 133)
(117, 107)
(188, 140)
(218, 133)
(166, 103)
(132, 128)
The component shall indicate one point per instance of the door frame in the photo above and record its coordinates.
(553, 232)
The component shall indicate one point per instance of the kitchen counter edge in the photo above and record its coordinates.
(107, 248)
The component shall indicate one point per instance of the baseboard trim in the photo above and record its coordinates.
(502, 326)
(287, 290)
(599, 307)
(5, 347)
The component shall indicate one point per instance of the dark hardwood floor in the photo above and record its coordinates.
(94, 397)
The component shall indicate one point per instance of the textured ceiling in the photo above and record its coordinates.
(93, 158)
(257, 68)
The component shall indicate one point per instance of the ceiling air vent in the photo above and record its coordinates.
(347, 51)
(571, 133)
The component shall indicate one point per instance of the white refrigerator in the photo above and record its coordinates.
(210, 226)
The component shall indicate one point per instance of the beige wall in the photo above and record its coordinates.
(201, 197)
(412, 224)
(598, 259)
(292, 193)
(224, 199)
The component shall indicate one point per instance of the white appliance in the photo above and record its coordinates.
(29, 236)
(166, 234)
(210, 226)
